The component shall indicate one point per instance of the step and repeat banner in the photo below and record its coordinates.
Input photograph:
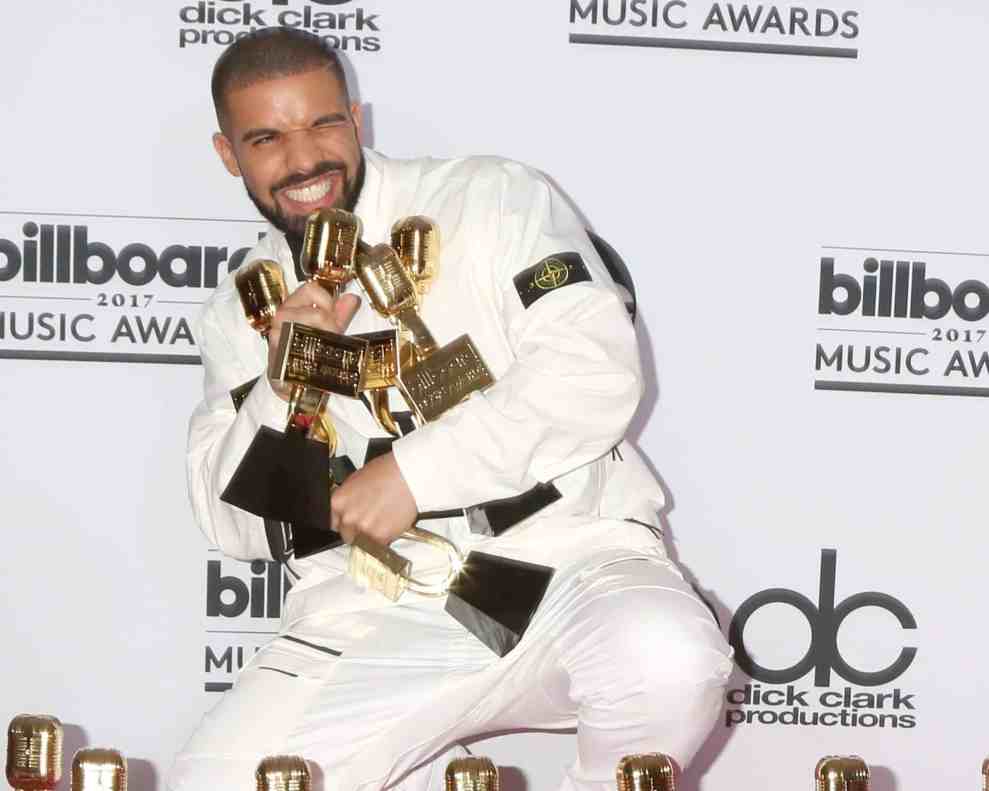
(798, 191)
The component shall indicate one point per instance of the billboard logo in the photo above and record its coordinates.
(111, 288)
(901, 321)
(899, 290)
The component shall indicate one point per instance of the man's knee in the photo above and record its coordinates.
(657, 638)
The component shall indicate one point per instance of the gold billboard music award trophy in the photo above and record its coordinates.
(98, 769)
(842, 773)
(34, 752)
(283, 773)
(474, 773)
(493, 597)
(440, 377)
(646, 772)
(288, 476)
(985, 775)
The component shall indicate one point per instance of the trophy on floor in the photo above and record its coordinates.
(283, 773)
(99, 769)
(34, 752)
(474, 773)
(288, 476)
(646, 772)
(842, 773)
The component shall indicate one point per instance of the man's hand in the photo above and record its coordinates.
(374, 501)
(311, 304)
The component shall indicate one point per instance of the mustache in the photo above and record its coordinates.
(321, 169)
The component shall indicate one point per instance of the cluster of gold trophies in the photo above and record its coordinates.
(34, 763)
(395, 277)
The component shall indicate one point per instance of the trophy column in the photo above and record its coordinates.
(842, 773)
(34, 752)
(283, 773)
(475, 773)
(98, 769)
(646, 772)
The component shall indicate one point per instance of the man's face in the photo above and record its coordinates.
(296, 144)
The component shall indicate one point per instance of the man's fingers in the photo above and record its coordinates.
(308, 315)
(344, 309)
(309, 294)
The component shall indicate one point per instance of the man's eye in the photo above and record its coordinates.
(263, 140)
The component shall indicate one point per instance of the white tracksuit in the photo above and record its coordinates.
(370, 691)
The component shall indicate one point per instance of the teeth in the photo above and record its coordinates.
(310, 194)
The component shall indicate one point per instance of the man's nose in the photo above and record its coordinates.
(301, 153)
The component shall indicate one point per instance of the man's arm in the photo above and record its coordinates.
(574, 383)
(219, 436)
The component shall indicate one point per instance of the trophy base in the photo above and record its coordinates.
(495, 598)
(284, 477)
(240, 393)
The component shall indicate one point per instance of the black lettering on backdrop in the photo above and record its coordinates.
(825, 621)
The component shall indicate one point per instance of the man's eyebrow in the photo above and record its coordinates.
(250, 134)
(330, 118)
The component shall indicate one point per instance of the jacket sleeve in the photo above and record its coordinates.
(219, 436)
(573, 382)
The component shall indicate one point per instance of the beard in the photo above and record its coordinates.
(294, 226)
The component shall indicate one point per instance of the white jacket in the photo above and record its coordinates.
(566, 367)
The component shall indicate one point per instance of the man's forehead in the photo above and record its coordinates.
(283, 95)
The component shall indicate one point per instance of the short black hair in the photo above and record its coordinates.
(268, 53)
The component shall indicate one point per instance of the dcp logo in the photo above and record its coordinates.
(825, 620)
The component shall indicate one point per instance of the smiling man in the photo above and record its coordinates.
(375, 693)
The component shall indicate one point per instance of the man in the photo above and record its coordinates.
(376, 693)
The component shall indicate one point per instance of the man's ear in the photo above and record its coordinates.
(356, 112)
(222, 146)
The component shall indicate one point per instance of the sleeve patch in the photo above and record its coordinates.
(550, 274)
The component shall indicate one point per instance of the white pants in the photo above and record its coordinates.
(621, 648)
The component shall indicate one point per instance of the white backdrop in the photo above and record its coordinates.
(723, 177)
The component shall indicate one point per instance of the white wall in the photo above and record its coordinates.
(722, 177)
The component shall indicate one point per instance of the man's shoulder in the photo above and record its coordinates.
(479, 170)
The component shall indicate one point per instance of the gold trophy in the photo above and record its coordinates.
(283, 476)
(985, 775)
(34, 752)
(384, 570)
(97, 769)
(475, 773)
(842, 773)
(329, 248)
(283, 773)
(439, 377)
(646, 772)
(416, 240)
